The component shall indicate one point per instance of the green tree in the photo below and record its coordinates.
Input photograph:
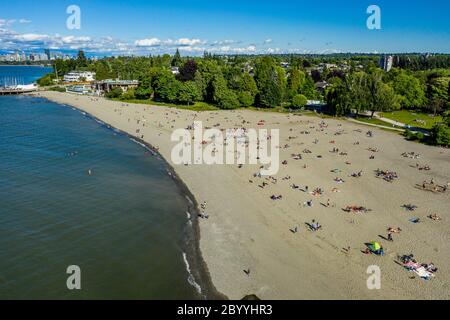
(128, 95)
(246, 99)
(338, 99)
(440, 135)
(296, 80)
(167, 87)
(143, 93)
(188, 93)
(299, 101)
(438, 90)
(81, 61)
(412, 94)
(224, 97)
(229, 101)
(381, 96)
(207, 71)
(268, 82)
(308, 88)
(46, 80)
(247, 90)
(177, 61)
(114, 94)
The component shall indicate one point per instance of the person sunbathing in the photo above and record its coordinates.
(435, 217)
(394, 230)
(315, 226)
(339, 180)
(357, 174)
(430, 267)
(356, 209)
(308, 204)
(410, 207)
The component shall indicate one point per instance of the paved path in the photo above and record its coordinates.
(376, 125)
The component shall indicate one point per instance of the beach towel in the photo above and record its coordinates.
(410, 265)
(423, 273)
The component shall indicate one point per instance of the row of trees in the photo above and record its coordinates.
(360, 92)
(228, 83)
(377, 91)
(236, 81)
(440, 134)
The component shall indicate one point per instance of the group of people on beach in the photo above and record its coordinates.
(314, 225)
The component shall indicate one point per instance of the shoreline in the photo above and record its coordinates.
(198, 269)
(246, 229)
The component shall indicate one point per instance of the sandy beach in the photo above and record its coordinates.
(247, 230)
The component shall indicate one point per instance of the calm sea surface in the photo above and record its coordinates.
(11, 75)
(125, 225)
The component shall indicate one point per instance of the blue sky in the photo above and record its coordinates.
(247, 26)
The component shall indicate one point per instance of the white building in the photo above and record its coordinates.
(79, 76)
(386, 63)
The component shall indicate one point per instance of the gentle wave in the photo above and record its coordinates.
(191, 278)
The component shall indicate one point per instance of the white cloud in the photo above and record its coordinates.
(11, 40)
(24, 21)
(152, 42)
(182, 42)
(7, 22)
(73, 39)
(268, 41)
(187, 42)
(31, 37)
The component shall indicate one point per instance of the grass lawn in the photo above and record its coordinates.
(204, 106)
(409, 117)
(374, 121)
(198, 106)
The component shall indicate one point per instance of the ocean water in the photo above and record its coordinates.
(126, 225)
(11, 75)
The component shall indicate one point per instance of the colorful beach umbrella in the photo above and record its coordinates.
(375, 246)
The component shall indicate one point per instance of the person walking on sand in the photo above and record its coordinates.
(389, 237)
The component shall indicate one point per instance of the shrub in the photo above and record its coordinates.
(115, 93)
(142, 93)
(46, 80)
(228, 100)
(299, 101)
(409, 135)
(129, 95)
(414, 136)
(188, 93)
(246, 99)
(440, 135)
(57, 89)
(420, 136)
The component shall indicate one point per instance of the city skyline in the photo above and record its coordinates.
(246, 27)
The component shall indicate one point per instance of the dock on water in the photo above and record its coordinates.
(7, 91)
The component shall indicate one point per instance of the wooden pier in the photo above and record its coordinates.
(9, 92)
